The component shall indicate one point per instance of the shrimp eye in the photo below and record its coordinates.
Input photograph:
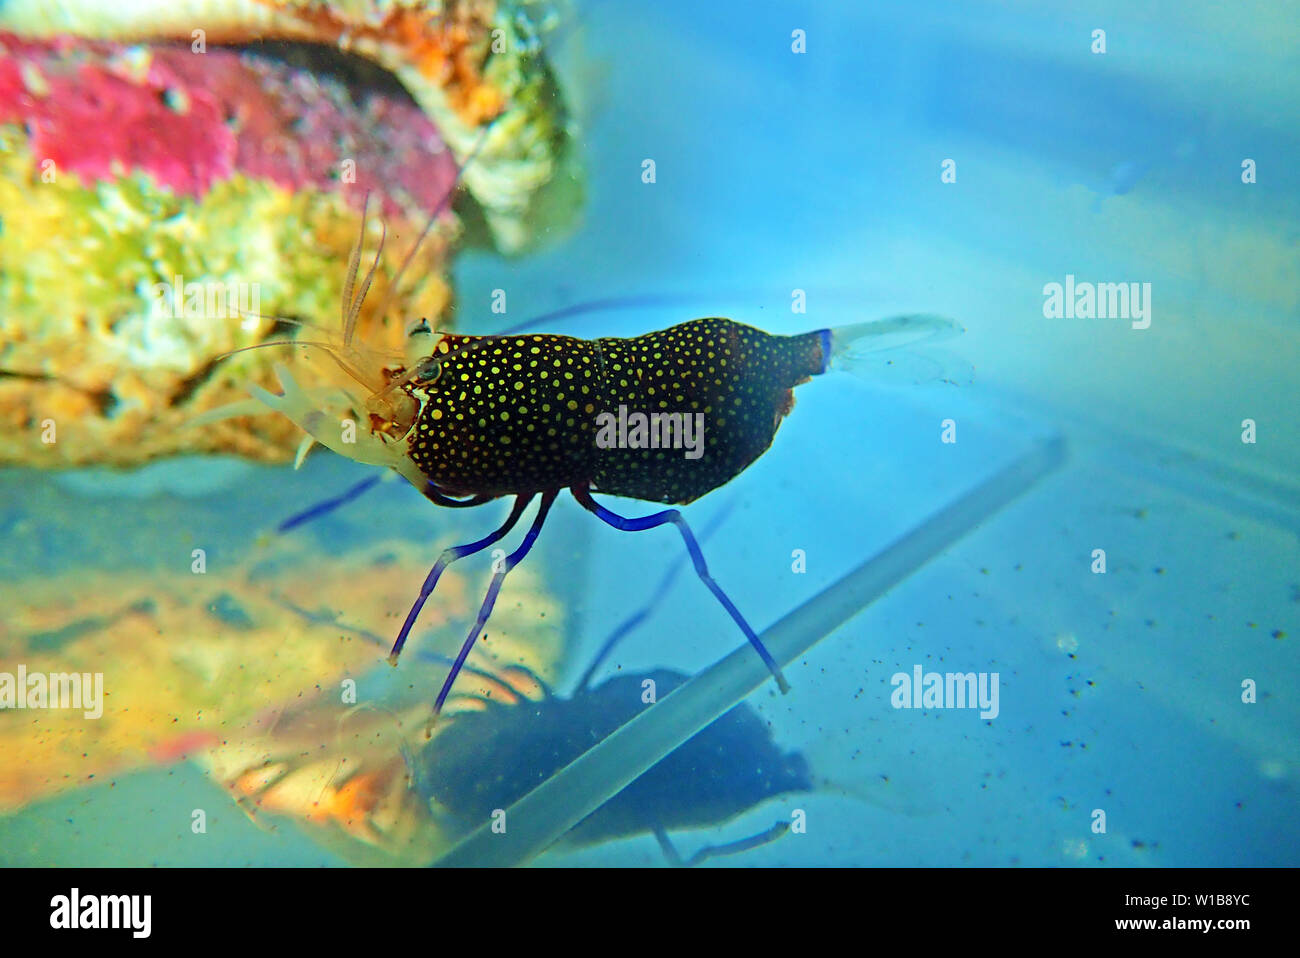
(428, 369)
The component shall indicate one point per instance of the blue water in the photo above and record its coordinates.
(821, 172)
(776, 171)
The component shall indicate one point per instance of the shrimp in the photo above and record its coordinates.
(664, 417)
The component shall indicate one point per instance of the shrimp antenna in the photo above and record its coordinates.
(329, 348)
(301, 323)
(353, 297)
(354, 308)
(350, 278)
(428, 226)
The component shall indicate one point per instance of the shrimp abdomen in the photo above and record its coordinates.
(730, 383)
(664, 417)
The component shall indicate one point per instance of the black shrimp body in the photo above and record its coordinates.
(509, 415)
(734, 380)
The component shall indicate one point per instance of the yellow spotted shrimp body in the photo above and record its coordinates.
(502, 415)
(510, 415)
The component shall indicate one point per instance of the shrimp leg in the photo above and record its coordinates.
(490, 599)
(439, 498)
(449, 556)
(625, 524)
(714, 851)
(643, 613)
(329, 505)
(355, 491)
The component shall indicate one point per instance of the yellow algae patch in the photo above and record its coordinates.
(99, 337)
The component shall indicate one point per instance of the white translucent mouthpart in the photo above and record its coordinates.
(331, 430)
(253, 407)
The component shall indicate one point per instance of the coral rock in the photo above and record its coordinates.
(154, 200)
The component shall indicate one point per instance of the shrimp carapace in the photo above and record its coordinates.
(664, 417)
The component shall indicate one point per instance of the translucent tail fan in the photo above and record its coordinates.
(901, 350)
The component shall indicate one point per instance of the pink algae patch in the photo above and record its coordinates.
(188, 120)
(92, 120)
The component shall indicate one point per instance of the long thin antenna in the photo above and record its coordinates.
(354, 310)
(433, 217)
(354, 260)
(350, 304)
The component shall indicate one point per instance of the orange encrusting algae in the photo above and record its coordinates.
(449, 53)
(349, 778)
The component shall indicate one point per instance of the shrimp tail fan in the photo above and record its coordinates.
(901, 349)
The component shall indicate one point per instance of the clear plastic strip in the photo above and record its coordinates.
(542, 816)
